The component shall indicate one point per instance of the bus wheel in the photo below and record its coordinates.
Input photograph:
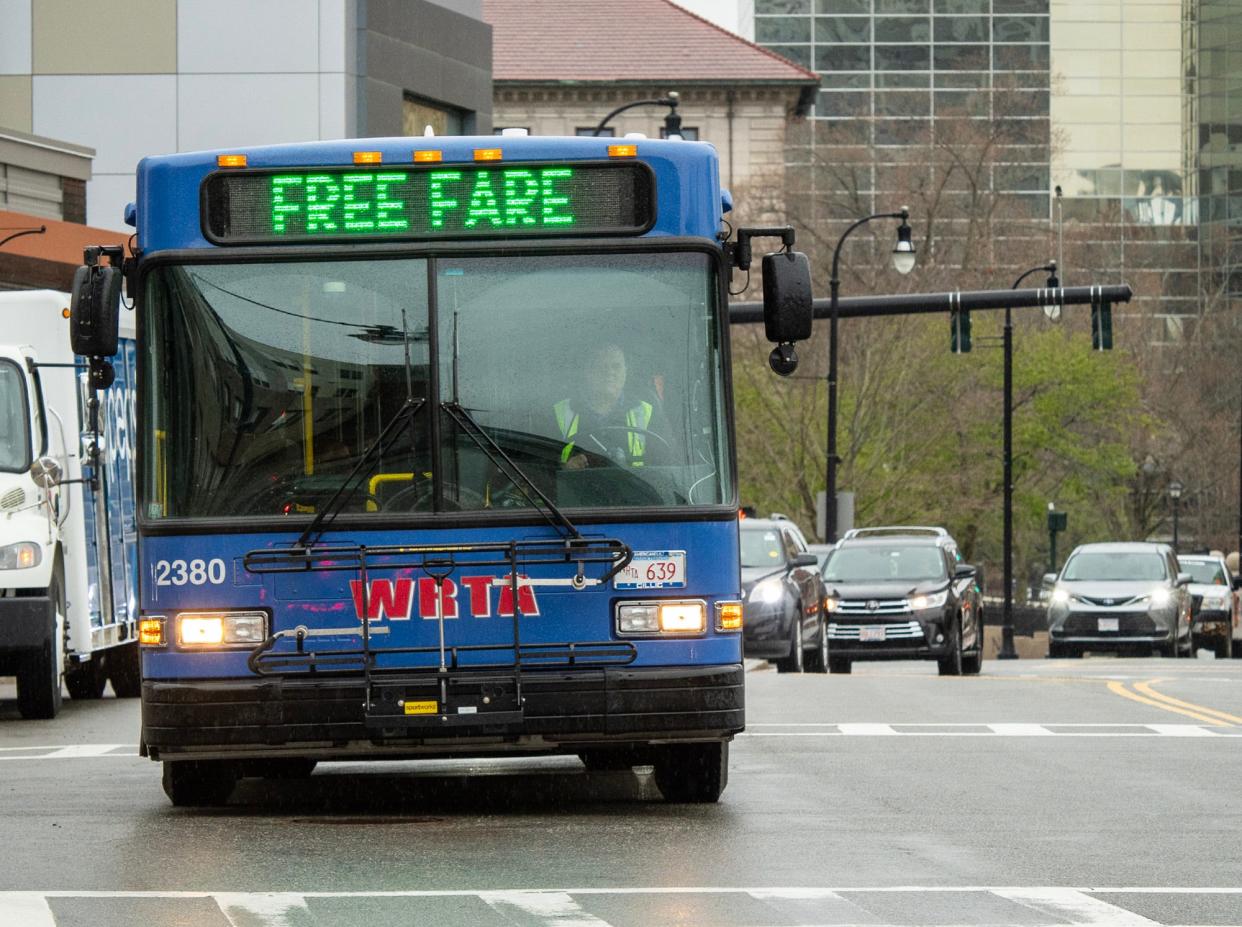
(125, 670)
(38, 675)
(695, 773)
(86, 680)
(199, 783)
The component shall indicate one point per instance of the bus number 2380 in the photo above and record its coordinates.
(189, 572)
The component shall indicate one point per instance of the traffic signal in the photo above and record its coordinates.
(959, 331)
(1102, 326)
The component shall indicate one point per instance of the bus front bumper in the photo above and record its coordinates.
(564, 711)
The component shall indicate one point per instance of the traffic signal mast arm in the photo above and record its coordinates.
(854, 307)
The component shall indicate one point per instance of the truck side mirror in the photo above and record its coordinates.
(46, 472)
(787, 306)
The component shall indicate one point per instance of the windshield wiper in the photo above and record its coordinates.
(503, 462)
(377, 449)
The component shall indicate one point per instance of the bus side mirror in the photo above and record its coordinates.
(787, 306)
(94, 318)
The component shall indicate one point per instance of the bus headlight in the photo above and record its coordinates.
(685, 617)
(212, 629)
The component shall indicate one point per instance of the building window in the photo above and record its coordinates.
(417, 114)
(606, 132)
(689, 133)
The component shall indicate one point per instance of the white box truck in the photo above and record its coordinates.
(68, 581)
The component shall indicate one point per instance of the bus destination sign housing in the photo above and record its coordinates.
(451, 201)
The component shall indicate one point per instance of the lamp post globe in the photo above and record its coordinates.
(903, 251)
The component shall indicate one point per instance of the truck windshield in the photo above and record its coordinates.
(1209, 572)
(598, 375)
(14, 421)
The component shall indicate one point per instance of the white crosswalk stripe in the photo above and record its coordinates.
(793, 906)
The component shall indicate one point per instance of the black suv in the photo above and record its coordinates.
(783, 614)
(902, 594)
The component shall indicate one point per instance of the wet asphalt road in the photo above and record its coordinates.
(1034, 794)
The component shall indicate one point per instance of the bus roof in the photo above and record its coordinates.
(689, 199)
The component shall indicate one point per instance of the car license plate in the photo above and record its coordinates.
(653, 569)
(1110, 624)
(871, 634)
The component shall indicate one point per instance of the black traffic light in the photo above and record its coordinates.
(1101, 326)
(959, 331)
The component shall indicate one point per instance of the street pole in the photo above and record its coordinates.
(834, 289)
(1007, 651)
(1177, 504)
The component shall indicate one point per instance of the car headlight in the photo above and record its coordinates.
(1216, 602)
(1160, 597)
(662, 617)
(215, 629)
(768, 592)
(20, 556)
(935, 600)
(1060, 596)
(831, 604)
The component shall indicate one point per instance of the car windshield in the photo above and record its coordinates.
(761, 547)
(884, 563)
(1115, 566)
(14, 428)
(1209, 572)
(599, 375)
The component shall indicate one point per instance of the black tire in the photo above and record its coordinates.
(817, 660)
(124, 665)
(841, 665)
(1224, 646)
(972, 665)
(793, 662)
(86, 681)
(38, 675)
(951, 664)
(692, 773)
(199, 783)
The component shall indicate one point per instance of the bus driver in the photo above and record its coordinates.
(603, 420)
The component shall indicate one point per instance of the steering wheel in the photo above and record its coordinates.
(456, 497)
(631, 429)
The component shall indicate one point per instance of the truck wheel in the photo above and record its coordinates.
(86, 680)
(38, 676)
(1224, 646)
(692, 773)
(125, 670)
(839, 665)
(199, 783)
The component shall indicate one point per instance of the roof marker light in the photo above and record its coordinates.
(488, 154)
(623, 151)
(231, 160)
(429, 156)
(368, 157)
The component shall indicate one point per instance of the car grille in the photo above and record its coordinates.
(1089, 623)
(1111, 601)
(873, 607)
(906, 630)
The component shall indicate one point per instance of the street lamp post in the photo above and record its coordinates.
(672, 122)
(903, 263)
(1175, 493)
(1007, 651)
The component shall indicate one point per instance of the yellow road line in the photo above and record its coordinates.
(1118, 688)
(1146, 689)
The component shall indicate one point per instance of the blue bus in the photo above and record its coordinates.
(435, 457)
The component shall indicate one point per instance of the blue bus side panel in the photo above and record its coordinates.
(117, 417)
(325, 600)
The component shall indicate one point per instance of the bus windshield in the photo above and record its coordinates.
(14, 427)
(597, 375)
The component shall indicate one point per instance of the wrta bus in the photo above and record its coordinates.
(68, 557)
(435, 454)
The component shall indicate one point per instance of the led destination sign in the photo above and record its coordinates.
(447, 201)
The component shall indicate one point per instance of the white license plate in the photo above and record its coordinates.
(1110, 624)
(871, 634)
(653, 569)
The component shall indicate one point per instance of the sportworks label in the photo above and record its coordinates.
(394, 599)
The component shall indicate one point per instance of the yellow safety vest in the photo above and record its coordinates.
(638, 416)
